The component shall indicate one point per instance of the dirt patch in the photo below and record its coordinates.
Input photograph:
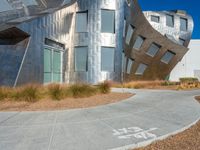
(69, 103)
(187, 140)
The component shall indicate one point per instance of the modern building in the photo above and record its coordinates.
(189, 66)
(69, 41)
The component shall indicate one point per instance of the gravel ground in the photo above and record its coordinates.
(187, 140)
(68, 103)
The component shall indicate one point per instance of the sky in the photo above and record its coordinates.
(191, 6)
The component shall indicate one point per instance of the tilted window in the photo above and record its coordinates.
(129, 34)
(153, 49)
(170, 20)
(155, 19)
(141, 69)
(138, 42)
(81, 58)
(107, 21)
(183, 24)
(129, 65)
(168, 56)
(107, 59)
(81, 21)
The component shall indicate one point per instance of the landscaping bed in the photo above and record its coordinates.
(187, 140)
(57, 97)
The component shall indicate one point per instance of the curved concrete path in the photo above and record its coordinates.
(145, 117)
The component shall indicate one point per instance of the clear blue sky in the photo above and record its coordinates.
(191, 6)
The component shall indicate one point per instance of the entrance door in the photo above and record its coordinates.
(52, 65)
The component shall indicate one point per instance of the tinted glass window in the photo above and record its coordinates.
(152, 51)
(107, 59)
(138, 42)
(108, 21)
(81, 22)
(81, 58)
(183, 26)
(167, 57)
(129, 65)
(129, 34)
(141, 69)
(170, 20)
(155, 19)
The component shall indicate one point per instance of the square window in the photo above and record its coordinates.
(153, 49)
(170, 20)
(129, 65)
(183, 24)
(107, 21)
(141, 69)
(81, 58)
(81, 21)
(107, 59)
(129, 34)
(155, 19)
(138, 42)
(168, 56)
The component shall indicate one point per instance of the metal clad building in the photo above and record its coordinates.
(70, 41)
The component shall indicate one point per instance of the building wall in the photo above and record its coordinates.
(190, 64)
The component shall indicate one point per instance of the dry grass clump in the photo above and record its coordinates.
(4, 93)
(189, 83)
(29, 93)
(82, 90)
(55, 91)
(104, 87)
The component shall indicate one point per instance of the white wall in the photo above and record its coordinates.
(189, 64)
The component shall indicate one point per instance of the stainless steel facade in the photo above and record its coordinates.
(55, 20)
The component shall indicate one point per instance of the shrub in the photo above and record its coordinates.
(27, 93)
(55, 91)
(81, 90)
(104, 87)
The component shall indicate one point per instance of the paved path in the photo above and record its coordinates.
(149, 114)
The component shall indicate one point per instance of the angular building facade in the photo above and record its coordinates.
(70, 41)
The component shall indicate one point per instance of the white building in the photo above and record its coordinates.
(190, 64)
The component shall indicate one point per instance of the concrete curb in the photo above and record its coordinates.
(148, 142)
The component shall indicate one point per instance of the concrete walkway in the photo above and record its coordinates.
(149, 115)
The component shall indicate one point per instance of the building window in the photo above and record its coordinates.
(81, 21)
(138, 42)
(124, 31)
(155, 19)
(181, 41)
(129, 34)
(170, 20)
(153, 49)
(168, 56)
(123, 61)
(107, 59)
(183, 24)
(129, 65)
(81, 59)
(107, 21)
(141, 69)
(52, 65)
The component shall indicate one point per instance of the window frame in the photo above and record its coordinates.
(143, 69)
(141, 37)
(155, 16)
(159, 47)
(114, 25)
(81, 12)
(86, 68)
(169, 25)
(114, 51)
(186, 21)
(168, 51)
